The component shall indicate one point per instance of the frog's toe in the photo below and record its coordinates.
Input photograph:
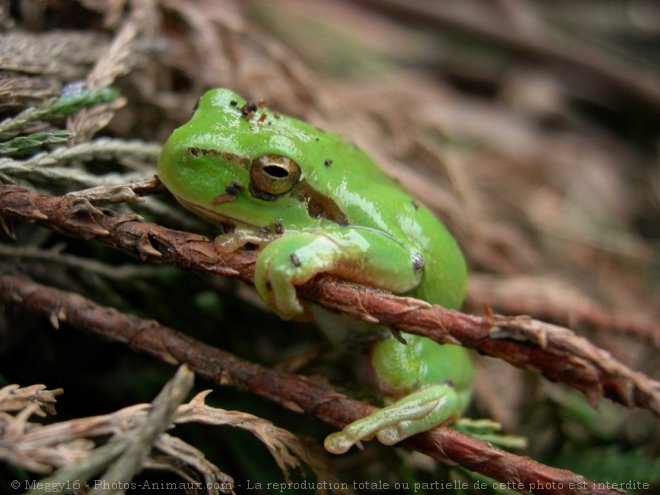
(342, 441)
(414, 413)
(389, 435)
(338, 443)
(275, 286)
(282, 298)
(292, 310)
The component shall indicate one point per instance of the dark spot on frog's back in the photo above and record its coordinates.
(295, 261)
(249, 109)
(418, 262)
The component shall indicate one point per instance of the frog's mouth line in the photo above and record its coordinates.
(317, 205)
(211, 215)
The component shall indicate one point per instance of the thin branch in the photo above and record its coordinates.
(51, 166)
(100, 148)
(126, 452)
(15, 398)
(520, 340)
(12, 169)
(558, 305)
(142, 440)
(55, 255)
(293, 392)
(68, 444)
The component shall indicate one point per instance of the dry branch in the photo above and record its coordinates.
(69, 446)
(520, 340)
(293, 392)
(141, 441)
(557, 303)
(124, 454)
(15, 398)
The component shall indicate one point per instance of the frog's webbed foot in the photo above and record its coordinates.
(414, 413)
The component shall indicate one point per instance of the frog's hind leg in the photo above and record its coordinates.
(446, 407)
(414, 413)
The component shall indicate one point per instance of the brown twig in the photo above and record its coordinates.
(142, 439)
(15, 398)
(68, 446)
(293, 392)
(558, 305)
(522, 341)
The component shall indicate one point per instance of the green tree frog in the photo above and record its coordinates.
(313, 203)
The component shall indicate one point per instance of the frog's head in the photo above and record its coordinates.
(237, 163)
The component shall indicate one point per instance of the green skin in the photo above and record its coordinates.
(335, 212)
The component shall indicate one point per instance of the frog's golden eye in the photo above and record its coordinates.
(271, 176)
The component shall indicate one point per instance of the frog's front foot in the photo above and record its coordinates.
(414, 413)
(288, 262)
(275, 283)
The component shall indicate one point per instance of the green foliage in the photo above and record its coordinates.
(487, 430)
(611, 463)
(26, 145)
(75, 97)
(72, 99)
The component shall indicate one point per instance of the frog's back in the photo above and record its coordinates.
(361, 191)
(373, 199)
(370, 198)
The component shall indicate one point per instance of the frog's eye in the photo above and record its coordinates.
(271, 176)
